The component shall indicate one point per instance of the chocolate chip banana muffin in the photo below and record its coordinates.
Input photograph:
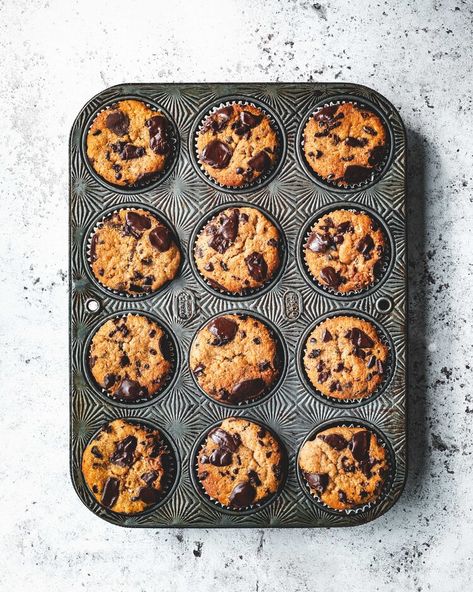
(128, 142)
(240, 464)
(345, 143)
(238, 250)
(236, 144)
(345, 467)
(132, 252)
(235, 358)
(344, 250)
(130, 358)
(126, 466)
(345, 358)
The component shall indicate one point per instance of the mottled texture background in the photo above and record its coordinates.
(54, 55)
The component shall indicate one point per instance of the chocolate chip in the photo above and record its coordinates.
(338, 239)
(93, 248)
(263, 366)
(254, 478)
(323, 376)
(318, 154)
(150, 477)
(319, 243)
(199, 369)
(250, 119)
(335, 386)
(118, 122)
(220, 457)
(223, 329)
(257, 266)
(224, 266)
(124, 452)
(360, 445)
(225, 235)
(158, 142)
(320, 366)
(365, 246)
(209, 266)
(136, 223)
(369, 130)
(257, 341)
(242, 495)
(356, 174)
(326, 336)
(355, 142)
(339, 367)
(161, 238)
(371, 362)
(331, 277)
(97, 132)
(377, 155)
(110, 492)
(216, 154)
(335, 441)
(260, 162)
(131, 390)
(326, 114)
(344, 227)
(342, 496)
(248, 389)
(359, 338)
(124, 361)
(96, 452)
(202, 476)
(109, 380)
(128, 151)
(225, 440)
(217, 121)
(317, 481)
(315, 353)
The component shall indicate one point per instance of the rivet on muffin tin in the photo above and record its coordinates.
(387, 260)
(347, 403)
(193, 468)
(276, 124)
(378, 172)
(155, 179)
(282, 355)
(351, 423)
(168, 384)
(88, 241)
(172, 475)
(252, 292)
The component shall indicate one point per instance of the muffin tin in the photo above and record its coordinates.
(293, 196)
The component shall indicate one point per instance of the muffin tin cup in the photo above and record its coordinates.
(378, 171)
(250, 293)
(88, 242)
(382, 439)
(170, 380)
(347, 403)
(282, 356)
(380, 274)
(244, 511)
(266, 176)
(171, 479)
(154, 179)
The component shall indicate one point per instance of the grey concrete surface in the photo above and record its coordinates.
(56, 54)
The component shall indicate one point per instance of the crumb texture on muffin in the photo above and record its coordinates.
(345, 467)
(124, 466)
(128, 142)
(234, 358)
(129, 357)
(132, 252)
(345, 358)
(238, 250)
(237, 144)
(240, 463)
(345, 250)
(345, 143)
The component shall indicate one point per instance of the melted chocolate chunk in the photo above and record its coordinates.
(360, 445)
(148, 495)
(260, 162)
(223, 329)
(128, 151)
(131, 390)
(225, 440)
(220, 457)
(356, 174)
(110, 492)
(365, 246)
(136, 223)
(359, 338)
(216, 154)
(326, 336)
(254, 478)
(369, 130)
(226, 233)
(242, 495)
(345, 227)
(109, 380)
(124, 452)
(96, 452)
(319, 243)
(356, 142)
(315, 353)
(118, 122)
(250, 119)
(335, 441)
(331, 277)
(248, 389)
(257, 266)
(326, 114)
(149, 477)
(218, 120)
(158, 142)
(377, 155)
(161, 238)
(124, 361)
(317, 481)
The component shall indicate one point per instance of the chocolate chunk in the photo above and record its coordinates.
(318, 154)
(109, 380)
(369, 130)
(165, 347)
(217, 121)
(371, 362)
(264, 366)
(93, 248)
(130, 390)
(220, 457)
(202, 476)
(260, 162)
(160, 237)
(254, 478)
(209, 266)
(124, 361)
(110, 492)
(148, 495)
(250, 119)
(226, 233)
(118, 122)
(331, 277)
(344, 227)
(317, 481)
(242, 495)
(215, 285)
(257, 266)
(225, 440)
(216, 154)
(356, 142)
(359, 338)
(199, 369)
(315, 353)
(323, 377)
(335, 386)
(319, 243)
(124, 452)
(96, 452)
(365, 246)
(377, 155)
(149, 477)
(342, 496)
(136, 223)
(223, 329)
(326, 114)
(128, 151)
(248, 389)
(360, 445)
(335, 441)
(326, 336)
(356, 174)
(158, 142)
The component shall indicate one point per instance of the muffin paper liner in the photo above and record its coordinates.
(171, 468)
(247, 293)
(387, 481)
(388, 365)
(100, 222)
(151, 179)
(376, 171)
(173, 361)
(379, 273)
(266, 175)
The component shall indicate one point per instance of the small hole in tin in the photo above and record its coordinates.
(92, 305)
(384, 304)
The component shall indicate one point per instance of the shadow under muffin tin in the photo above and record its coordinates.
(186, 198)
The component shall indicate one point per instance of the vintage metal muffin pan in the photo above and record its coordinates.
(185, 198)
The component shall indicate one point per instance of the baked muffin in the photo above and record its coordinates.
(235, 358)
(240, 463)
(130, 358)
(344, 250)
(345, 143)
(132, 252)
(126, 466)
(345, 358)
(345, 467)
(237, 144)
(238, 250)
(128, 142)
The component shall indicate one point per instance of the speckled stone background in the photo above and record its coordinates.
(56, 54)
